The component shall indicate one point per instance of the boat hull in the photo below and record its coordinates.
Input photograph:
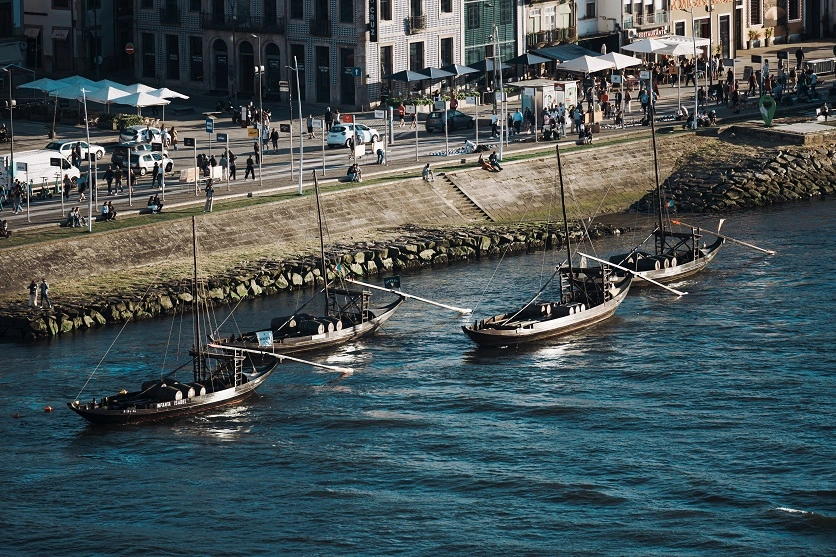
(304, 343)
(107, 415)
(680, 271)
(545, 328)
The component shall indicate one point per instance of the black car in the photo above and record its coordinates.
(457, 120)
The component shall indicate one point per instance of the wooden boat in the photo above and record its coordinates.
(675, 255)
(220, 377)
(348, 316)
(588, 295)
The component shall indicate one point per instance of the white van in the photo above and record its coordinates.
(42, 167)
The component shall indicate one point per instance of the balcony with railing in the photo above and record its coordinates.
(417, 23)
(170, 15)
(320, 27)
(632, 21)
(553, 36)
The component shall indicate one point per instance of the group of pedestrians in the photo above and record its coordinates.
(43, 290)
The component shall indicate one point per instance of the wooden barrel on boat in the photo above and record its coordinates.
(282, 324)
(672, 261)
(328, 324)
(199, 390)
(312, 327)
(167, 394)
(187, 390)
(648, 264)
(335, 321)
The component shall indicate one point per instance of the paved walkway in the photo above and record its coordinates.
(402, 155)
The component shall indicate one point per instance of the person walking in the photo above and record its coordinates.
(117, 177)
(274, 137)
(45, 302)
(494, 122)
(33, 294)
(401, 113)
(799, 58)
(174, 137)
(154, 174)
(232, 158)
(309, 123)
(108, 176)
(250, 171)
(256, 152)
(210, 196)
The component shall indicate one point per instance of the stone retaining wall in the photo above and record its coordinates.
(415, 249)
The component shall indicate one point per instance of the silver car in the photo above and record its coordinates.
(143, 163)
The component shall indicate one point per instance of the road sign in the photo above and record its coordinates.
(317, 124)
(356, 72)
(210, 125)
(348, 118)
(252, 132)
(284, 128)
(528, 91)
(283, 87)
(380, 114)
(222, 137)
(188, 142)
(129, 48)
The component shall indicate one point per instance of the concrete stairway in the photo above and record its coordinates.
(464, 204)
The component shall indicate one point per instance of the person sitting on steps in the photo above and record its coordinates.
(427, 173)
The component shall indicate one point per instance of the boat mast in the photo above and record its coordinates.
(198, 352)
(321, 244)
(660, 239)
(563, 206)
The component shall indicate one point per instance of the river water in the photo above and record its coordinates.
(694, 426)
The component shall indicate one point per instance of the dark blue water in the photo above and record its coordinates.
(694, 426)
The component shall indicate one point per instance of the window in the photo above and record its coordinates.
(149, 55)
(679, 28)
(794, 10)
(550, 19)
(446, 51)
(386, 10)
(534, 20)
(473, 17)
(505, 12)
(146, 4)
(196, 58)
(416, 8)
(61, 4)
(346, 11)
(755, 12)
(416, 56)
(297, 10)
(194, 6)
(447, 6)
(387, 66)
(590, 10)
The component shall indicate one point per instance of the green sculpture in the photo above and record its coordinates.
(767, 107)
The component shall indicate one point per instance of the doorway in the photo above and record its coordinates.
(221, 65)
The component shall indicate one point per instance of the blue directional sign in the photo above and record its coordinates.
(357, 72)
(222, 137)
(210, 125)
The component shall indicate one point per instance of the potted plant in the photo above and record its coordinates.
(767, 35)
(754, 35)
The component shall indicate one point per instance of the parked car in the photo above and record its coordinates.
(342, 133)
(140, 133)
(457, 120)
(120, 152)
(143, 163)
(66, 148)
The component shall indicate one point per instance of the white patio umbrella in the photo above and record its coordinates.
(621, 61)
(140, 100)
(137, 88)
(166, 93)
(646, 46)
(44, 84)
(78, 81)
(102, 83)
(586, 64)
(106, 96)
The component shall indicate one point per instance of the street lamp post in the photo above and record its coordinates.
(295, 69)
(89, 166)
(11, 105)
(260, 69)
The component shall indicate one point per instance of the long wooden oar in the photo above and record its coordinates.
(285, 357)
(405, 295)
(729, 238)
(675, 291)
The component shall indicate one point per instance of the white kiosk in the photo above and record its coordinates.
(548, 93)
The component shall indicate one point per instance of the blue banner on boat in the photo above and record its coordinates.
(265, 338)
(392, 282)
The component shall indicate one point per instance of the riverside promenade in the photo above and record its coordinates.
(407, 153)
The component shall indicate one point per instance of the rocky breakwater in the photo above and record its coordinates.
(414, 248)
(772, 177)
